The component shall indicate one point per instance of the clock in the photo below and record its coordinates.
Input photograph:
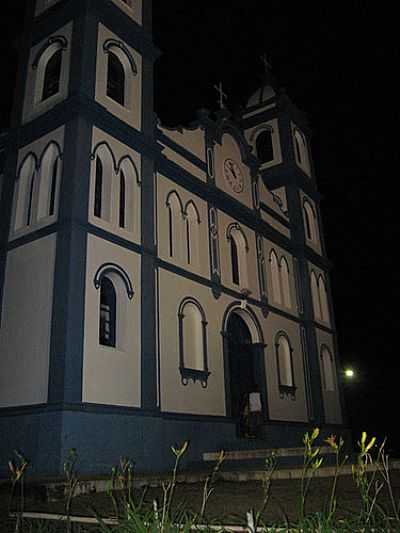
(233, 175)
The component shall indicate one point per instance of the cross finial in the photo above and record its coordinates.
(267, 64)
(222, 96)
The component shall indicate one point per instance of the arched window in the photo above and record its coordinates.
(98, 188)
(108, 312)
(323, 298)
(52, 74)
(238, 251)
(315, 296)
(121, 68)
(328, 376)
(115, 79)
(261, 265)
(175, 223)
(192, 234)
(115, 292)
(49, 181)
(287, 300)
(214, 242)
(284, 362)
(275, 277)
(25, 193)
(309, 221)
(128, 195)
(122, 199)
(301, 151)
(192, 342)
(104, 202)
(234, 263)
(264, 146)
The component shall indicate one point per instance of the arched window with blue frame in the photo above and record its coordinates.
(108, 313)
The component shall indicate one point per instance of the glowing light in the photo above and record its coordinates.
(349, 373)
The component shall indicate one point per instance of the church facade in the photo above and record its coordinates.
(150, 278)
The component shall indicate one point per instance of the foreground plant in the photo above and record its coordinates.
(340, 460)
(18, 468)
(311, 462)
(209, 483)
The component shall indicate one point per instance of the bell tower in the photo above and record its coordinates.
(279, 136)
(76, 257)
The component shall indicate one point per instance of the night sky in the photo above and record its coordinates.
(337, 65)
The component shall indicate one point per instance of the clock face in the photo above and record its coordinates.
(233, 175)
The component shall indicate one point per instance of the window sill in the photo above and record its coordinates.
(287, 392)
(188, 374)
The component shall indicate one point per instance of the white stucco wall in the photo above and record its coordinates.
(26, 323)
(112, 375)
(132, 113)
(332, 407)
(280, 407)
(32, 106)
(164, 188)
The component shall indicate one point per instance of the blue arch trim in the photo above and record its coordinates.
(129, 158)
(110, 43)
(60, 39)
(191, 300)
(307, 201)
(167, 202)
(23, 162)
(109, 268)
(99, 145)
(236, 226)
(60, 154)
(190, 202)
(237, 305)
(231, 129)
(283, 259)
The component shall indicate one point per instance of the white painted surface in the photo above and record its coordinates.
(112, 375)
(132, 112)
(120, 152)
(26, 322)
(331, 398)
(32, 104)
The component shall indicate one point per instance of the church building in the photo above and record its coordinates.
(151, 278)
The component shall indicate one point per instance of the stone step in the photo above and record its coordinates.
(261, 453)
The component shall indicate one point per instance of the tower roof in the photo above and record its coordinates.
(262, 95)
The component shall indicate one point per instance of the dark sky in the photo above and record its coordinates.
(338, 65)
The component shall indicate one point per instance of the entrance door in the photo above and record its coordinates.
(241, 363)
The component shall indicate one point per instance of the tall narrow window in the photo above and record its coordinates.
(30, 200)
(234, 262)
(264, 146)
(51, 83)
(98, 190)
(214, 242)
(171, 232)
(323, 298)
(284, 360)
(176, 229)
(53, 187)
(276, 285)
(108, 303)
(192, 233)
(315, 297)
(122, 200)
(327, 369)
(287, 300)
(115, 79)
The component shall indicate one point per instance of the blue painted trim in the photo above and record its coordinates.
(60, 39)
(113, 43)
(191, 202)
(285, 390)
(108, 268)
(235, 226)
(27, 156)
(129, 158)
(168, 203)
(284, 221)
(106, 144)
(231, 309)
(59, 150)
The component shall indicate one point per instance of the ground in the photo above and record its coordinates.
(229, 502)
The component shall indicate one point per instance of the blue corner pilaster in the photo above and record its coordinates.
(297, 232)
(67, 331)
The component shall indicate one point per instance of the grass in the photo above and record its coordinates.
(365, 501)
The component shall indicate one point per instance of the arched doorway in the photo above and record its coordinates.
(245, 367)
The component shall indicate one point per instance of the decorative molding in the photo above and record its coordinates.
(113, 43)
(60, 39)
(109, 268)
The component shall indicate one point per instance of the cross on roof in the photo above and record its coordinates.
(267, 64)
(222, 96)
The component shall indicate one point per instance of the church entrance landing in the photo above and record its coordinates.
(244, 366)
